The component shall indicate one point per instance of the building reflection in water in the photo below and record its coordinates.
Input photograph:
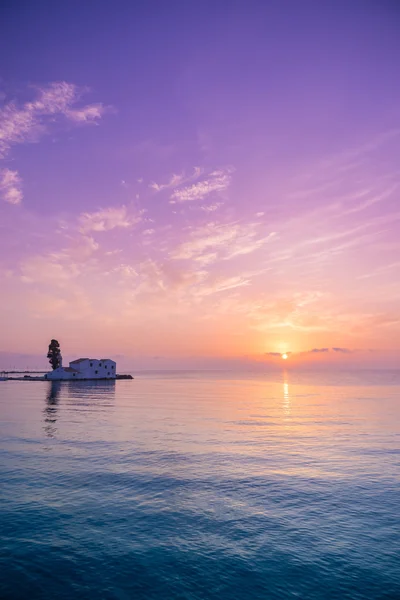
(76, 395)
(89, 393)
(286, 395)
(50, 411)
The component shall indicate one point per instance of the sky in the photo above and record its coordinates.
(201, 184)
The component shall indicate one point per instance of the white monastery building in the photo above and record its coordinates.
(85, 368)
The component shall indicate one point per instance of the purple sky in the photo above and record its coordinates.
(201, 182)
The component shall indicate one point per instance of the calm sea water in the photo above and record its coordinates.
(200, 486)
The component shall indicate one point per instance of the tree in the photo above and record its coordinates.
(54, 354)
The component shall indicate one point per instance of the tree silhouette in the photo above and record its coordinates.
(54, 354)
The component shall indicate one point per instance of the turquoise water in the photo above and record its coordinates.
(201, 486)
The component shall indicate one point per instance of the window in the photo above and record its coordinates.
(91, 364)
(96, 372)
(74, 374)
(99, 364)
(112, 366)
(105, 366)
(108, 373)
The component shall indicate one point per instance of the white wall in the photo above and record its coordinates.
(94, 368)
(59, 373)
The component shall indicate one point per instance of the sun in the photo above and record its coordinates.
(285, 356)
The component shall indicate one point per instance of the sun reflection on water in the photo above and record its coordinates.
(286, 396)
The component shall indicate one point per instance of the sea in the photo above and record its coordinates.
(198, 485)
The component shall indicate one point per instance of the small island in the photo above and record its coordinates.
(81, 369)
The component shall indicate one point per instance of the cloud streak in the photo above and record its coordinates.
(10, 186)
(343, 350)
(216, 182)
(312, 351)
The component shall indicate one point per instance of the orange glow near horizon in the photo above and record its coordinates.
(285, 356)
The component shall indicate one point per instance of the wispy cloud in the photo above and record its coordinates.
(171, 183)
(343, 350)
(249, 243)
(176, 180)
(61, 266)
(107, 219)
(204, 238)
(211, 207)
(10, 186)
(164, 277)
(87, 114)
(224, 240)
(371, 199)
(380, 270)
(49, 269)
(325, 175)
(27, 122)
(222, 284)
(217, 181)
